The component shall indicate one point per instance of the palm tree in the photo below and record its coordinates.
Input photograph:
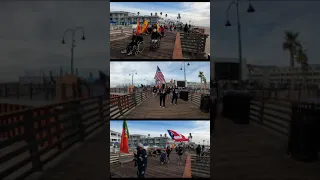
(291, 44)
(138, 13)
(151, 14)
(204, 82)
(160, 13)
(201, 77)
(302, 59)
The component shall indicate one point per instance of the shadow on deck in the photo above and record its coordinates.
(164, 52)
(154, 169)
(253, 152)
(150, 108)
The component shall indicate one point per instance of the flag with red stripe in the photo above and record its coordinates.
(159, 76)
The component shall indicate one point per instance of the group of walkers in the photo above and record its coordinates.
(141, 158)
(187, 29)
(164, 93)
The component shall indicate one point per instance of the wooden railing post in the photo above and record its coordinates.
(77, 119)
(142, 97)
(30, 134)
(5, 90)
(18, 91)
(30, 90)
(134, 99)
(262, 109)
(101, 109)
(119, 105)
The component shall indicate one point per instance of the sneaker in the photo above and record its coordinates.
(175, 104)
(124, 51)
(164, 107)
(130, 53)
(160, 106)
(170, 103)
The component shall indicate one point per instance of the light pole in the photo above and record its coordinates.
(203, 141)
(73, 44)
(132, 73)
(228, 23)
(184, 71)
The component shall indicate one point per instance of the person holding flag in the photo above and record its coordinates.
(136, 37)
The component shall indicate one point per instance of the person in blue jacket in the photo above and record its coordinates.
(142, 159)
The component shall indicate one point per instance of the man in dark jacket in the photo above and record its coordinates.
(198, 150)
(134, 42)
(175, 92)
(180, 153)
(142, 159)
(163, 96)
(168, 151)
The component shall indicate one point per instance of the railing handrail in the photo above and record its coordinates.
(187, 168)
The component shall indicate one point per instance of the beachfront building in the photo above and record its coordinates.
(127, 18)
(135, 139)
(115, 137)
(273, 76)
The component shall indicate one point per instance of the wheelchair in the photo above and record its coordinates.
(154, 46)
(139, 48)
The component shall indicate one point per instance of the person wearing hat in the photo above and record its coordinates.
(142, 159)
(180, 153)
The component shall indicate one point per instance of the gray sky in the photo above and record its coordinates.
(263, 31)
(31, 33)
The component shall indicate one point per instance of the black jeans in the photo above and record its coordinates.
(141, 172)
(163, 100)
(130, 46)
(174, 97)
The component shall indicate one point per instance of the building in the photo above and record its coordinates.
(135, 139)
(198, 85)
(227, 69)
(115, 137)
(127, 18)
(273, 76)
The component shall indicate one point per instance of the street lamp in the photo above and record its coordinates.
(73, 44)
(228, 23)
(184, 69)
(132, 73)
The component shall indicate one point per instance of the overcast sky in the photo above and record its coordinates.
(200, 130)
(119, 71)
(263, 31)
(197, 12)
(31, 33)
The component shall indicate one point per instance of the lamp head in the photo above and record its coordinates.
(83, 38)
(63, 42)
(227, 23)
(181, 69)
(250, 9)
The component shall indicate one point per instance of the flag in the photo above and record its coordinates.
(177, 137)
(159, 76)
(124, 145)
(144, 26)
(138, 26)
(158, 27)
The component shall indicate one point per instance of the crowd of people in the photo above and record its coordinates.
(137, 37)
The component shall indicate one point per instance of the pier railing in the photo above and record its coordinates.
(49, 91)
(194, 43)
(33, 137)
(200, 166)
(119, 105)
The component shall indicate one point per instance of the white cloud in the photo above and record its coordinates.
(197, 12)
(200, 131)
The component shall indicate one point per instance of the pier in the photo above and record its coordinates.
(174, 45)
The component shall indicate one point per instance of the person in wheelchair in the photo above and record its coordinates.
(136, 38)
(155, 35)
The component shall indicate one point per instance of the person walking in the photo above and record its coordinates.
(142, 159)
(163, 96)
(180, 153)
(154, 92)
(175, 91)
(168, 151)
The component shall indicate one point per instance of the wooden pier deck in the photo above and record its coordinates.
(154, 169)
(164, 52)
(150, 109)
(253, 152)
